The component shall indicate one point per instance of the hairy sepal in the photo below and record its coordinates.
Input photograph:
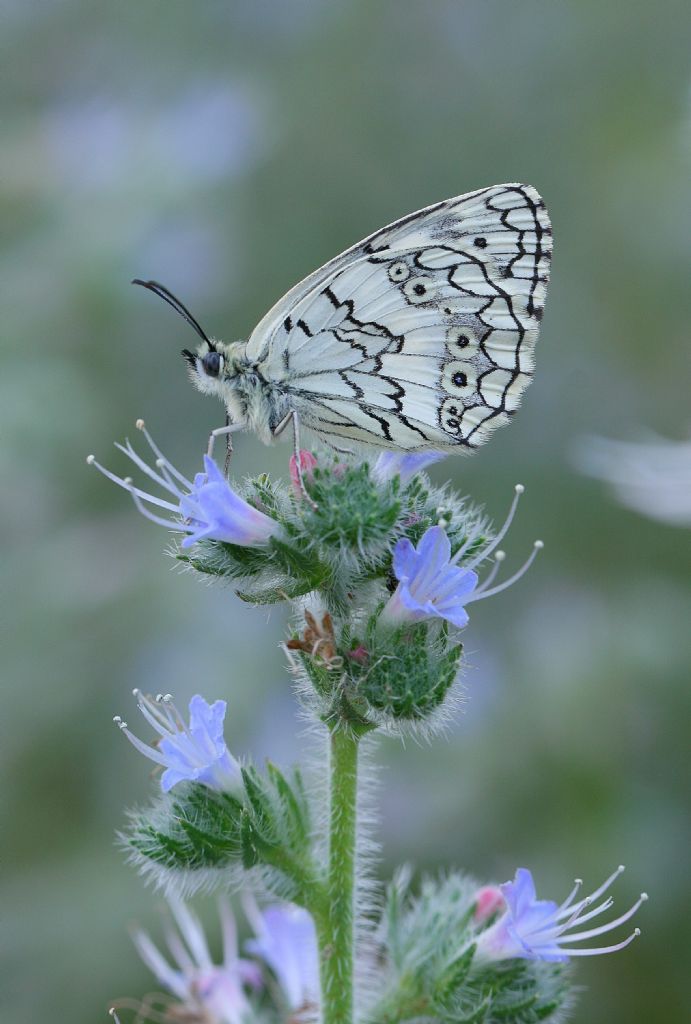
(408, 672)
(351, 516)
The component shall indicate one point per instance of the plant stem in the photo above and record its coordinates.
(336, 933)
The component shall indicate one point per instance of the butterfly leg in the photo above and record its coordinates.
(225, 431)
(293, 416)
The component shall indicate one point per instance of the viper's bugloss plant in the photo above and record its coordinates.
(379, 568)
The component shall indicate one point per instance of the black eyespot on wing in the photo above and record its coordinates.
(212, 364)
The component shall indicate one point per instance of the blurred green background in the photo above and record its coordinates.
(227, 149)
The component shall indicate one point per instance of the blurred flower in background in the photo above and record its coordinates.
(286, 940)
(204, 991)
(652, 477)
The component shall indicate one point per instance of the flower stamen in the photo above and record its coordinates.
(483, 591)
(205, 509)
(519, 489)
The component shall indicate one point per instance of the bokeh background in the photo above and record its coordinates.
(227, 149)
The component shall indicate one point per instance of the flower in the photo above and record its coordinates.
(286, 940)
(652, 477)
(432, 584)
(194, 753)
(390, 464)
(207, 509)
(208, 993)
(533, 929)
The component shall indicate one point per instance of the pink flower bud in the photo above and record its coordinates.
(488, 901)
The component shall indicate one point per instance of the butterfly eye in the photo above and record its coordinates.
(212, 364)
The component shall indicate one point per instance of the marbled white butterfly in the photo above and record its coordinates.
(419, 337)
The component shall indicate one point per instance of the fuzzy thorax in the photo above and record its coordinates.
(223, 370)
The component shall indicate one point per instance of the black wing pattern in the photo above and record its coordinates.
(422, 335)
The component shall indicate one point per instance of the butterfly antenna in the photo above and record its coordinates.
(163, 293)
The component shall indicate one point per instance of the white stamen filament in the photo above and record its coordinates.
(607, 883)
(166, 473)
(161, 714)
(605, 905)
(499, 557)
(591, 932)
(126, 483)
(496, 541)
(159, 480)
(165, 726)
(576, 917)
(603, 949)
(171, 712)
(160, 457)
(483, 591)
(564, 908)
(143, 748)
(158, 722)
(137, 497)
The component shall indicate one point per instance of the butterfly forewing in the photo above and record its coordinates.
(422, 335)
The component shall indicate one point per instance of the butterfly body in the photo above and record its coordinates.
(419, 337)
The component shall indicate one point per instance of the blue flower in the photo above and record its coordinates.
(533, 929)
(189, 753)
(206, 991)
(206, 509)
(286, 940)
(390, 464)
(429, 585)
(433, 585)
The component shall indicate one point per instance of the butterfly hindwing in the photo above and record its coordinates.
(422, 335)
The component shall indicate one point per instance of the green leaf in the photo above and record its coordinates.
(454, 975)
(191, 829)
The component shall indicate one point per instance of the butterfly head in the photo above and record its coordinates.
(210, 366)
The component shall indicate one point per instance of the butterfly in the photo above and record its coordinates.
(420, 337)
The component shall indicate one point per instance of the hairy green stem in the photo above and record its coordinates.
(336, 928)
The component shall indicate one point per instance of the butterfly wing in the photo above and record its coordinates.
(422, 335)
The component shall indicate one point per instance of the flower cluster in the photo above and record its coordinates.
(381, 567)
